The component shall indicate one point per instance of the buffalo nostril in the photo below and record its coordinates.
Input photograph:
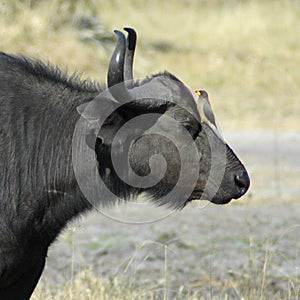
(242, 181)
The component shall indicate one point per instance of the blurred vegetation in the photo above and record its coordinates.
(244, 53)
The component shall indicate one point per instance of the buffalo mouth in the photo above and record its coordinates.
(221, 201)
(199, 195)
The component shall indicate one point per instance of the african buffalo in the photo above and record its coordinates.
(40, 194)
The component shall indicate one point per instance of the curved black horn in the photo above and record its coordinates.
(129, 57)
(115, 75)
(120, 69)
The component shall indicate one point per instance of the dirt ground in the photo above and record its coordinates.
(204, 247)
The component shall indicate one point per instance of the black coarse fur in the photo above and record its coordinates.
(42, 72)
(39, 193)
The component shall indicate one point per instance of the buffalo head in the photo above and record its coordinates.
(158, 137)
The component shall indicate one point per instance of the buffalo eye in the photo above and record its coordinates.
(193, 129)
(197, 131)
(187, 126)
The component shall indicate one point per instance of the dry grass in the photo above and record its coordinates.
(87, 287)
(251, 283)
(245, 53)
